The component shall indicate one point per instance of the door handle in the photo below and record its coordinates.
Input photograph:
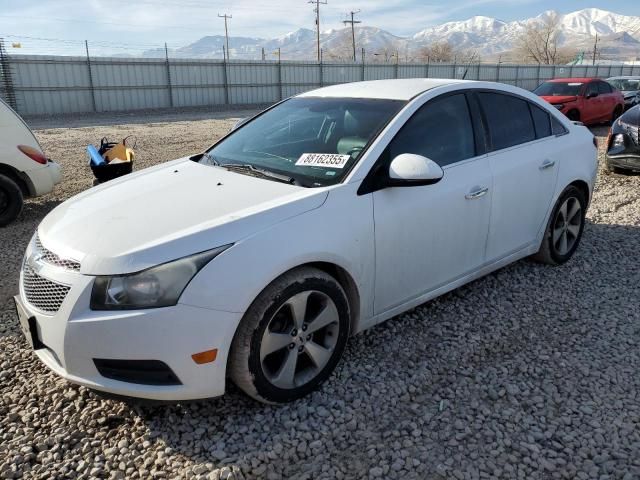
(480, 192)
(547, 164)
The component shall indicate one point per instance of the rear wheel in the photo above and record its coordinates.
(291, 337)
(574, 115)
(10, 200)
(564, 231)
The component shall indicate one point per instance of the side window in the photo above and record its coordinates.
(440, 130)
(541, 121)
(556, 127)
(604, 88)
(508, 119)
(591, 89)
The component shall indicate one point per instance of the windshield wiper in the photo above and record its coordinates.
(259, 171)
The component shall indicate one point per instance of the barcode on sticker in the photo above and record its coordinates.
(328, 160)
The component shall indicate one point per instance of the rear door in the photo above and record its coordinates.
(524, 161)
(609, 98)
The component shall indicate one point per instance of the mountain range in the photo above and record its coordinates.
(619, 36)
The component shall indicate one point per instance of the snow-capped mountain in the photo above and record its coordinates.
(487, 36)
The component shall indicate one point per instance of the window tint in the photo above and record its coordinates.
(556, 127)
(508, 118)
(441, 130)
(541, 121)
(604, 87)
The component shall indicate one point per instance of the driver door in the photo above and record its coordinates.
(429, 236)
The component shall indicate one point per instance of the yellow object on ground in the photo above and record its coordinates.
(120, 152)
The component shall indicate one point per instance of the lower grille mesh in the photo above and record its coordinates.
(42, 293)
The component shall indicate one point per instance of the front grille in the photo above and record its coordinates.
(43, 294)
(51, 258)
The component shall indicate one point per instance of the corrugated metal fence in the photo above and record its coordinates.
(54, 85)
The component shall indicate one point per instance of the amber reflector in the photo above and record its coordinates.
(205, 357)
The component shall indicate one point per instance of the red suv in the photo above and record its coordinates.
(587, 100)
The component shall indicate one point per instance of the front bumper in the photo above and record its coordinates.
(627, 161)
(43, 179)
(73, 337)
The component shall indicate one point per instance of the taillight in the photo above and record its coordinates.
(33, 154)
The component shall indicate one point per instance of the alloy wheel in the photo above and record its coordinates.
(567, 225)
(300, 339)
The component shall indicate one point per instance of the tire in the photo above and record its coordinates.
(616, 113)
(553, 251)
(574, 115)
(275, 356)
(11, 200)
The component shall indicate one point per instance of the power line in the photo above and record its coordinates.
(317, 11)
(353, 30)
(226, 33)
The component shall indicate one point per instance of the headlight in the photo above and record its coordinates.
(159, 286)
(617, 141)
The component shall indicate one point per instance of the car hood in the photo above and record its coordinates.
(167, 212)
(555, 99)
(629, 93)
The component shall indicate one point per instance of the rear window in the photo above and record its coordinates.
(509, 120)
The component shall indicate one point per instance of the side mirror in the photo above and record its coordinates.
(409, 170)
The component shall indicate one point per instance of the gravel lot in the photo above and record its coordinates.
(529, 373)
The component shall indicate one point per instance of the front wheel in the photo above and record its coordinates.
(11, 200)
(291, 337)
(565, 227)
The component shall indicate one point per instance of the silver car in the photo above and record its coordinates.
(630, 88)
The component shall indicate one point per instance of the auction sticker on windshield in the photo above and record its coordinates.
(328, 160)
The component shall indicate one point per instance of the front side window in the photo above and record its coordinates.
(440, 130)
(312, 141)
(591, 89)
(508, 120)
(604, 88)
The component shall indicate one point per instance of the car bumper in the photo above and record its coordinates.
(628, 161)
(44, 178)
(72, 338)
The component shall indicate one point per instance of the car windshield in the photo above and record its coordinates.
(558, 89)
(625, 84)
(314, 141)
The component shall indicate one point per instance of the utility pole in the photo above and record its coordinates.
(226, 33)
(317, 12)
(595, 50)
(353, 30)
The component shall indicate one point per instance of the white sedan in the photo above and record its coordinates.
(320, 217)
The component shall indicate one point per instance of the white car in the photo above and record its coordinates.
(24, 170)
(320, 217)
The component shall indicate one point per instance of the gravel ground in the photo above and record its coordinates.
(529, 373)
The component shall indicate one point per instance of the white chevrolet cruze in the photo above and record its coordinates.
(320, 217)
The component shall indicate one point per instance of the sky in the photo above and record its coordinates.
(53, 26)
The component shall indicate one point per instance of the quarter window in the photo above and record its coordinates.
(556, 127)
(541, 121)
(508, 119)
(440, 130)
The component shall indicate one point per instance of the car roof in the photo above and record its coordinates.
(625, 77)
(395, 89)
(574, 80)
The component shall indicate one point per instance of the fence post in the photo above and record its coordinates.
(93, 92)
(426, 70)
(538, 74)
(321, 72)
(169, 88)
(363, 67)
(498, 72)
(280, 75)
(224, 76)
(397, 60)
(517, 74)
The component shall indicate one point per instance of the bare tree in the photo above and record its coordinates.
(437, 52)
(539, 42)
